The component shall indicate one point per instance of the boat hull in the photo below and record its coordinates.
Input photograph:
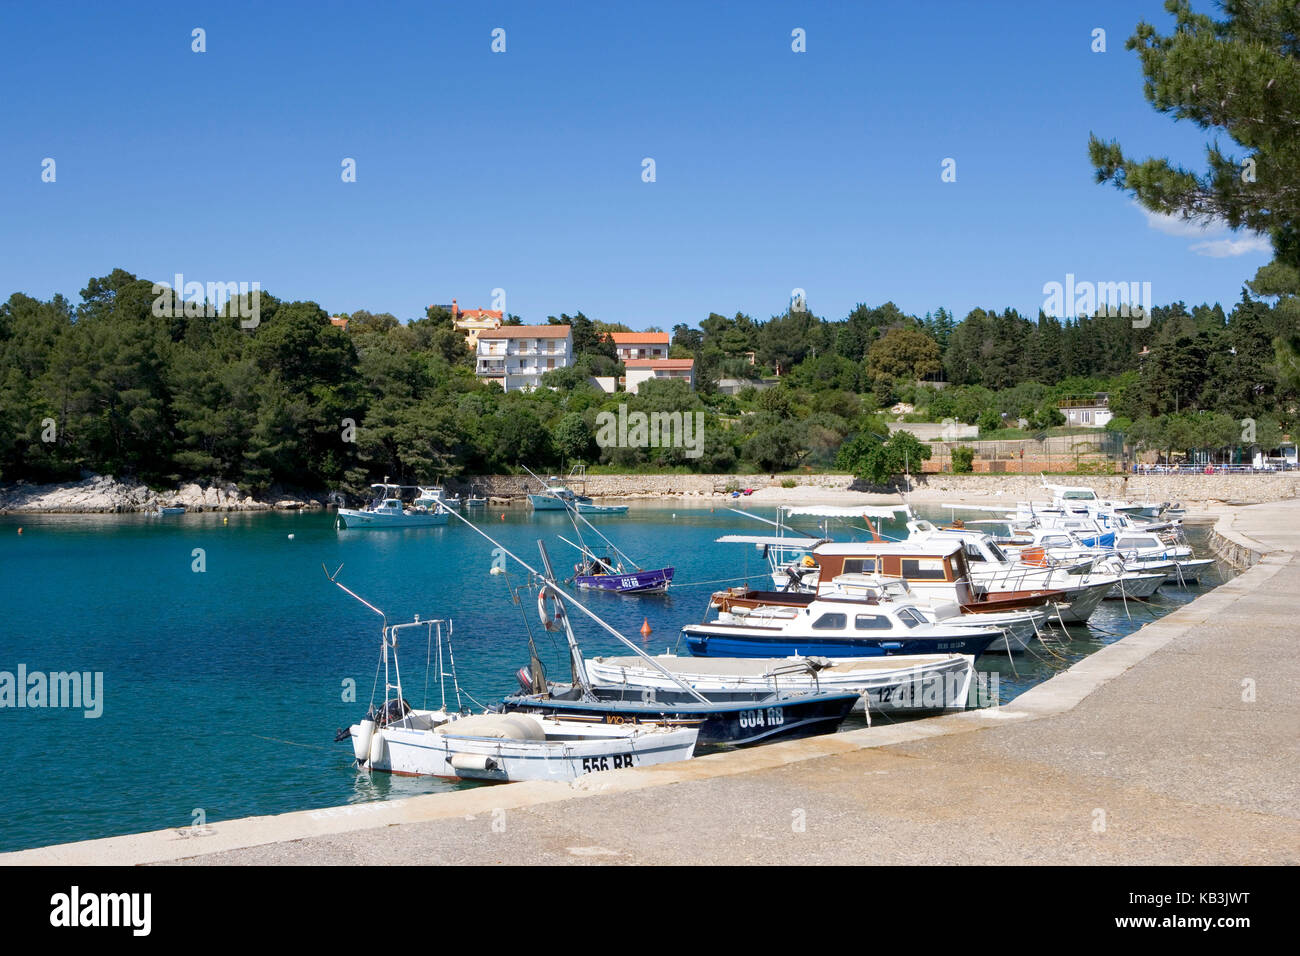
(414, 752)
(729, 640)
(901, 685)
(639, 582)
(735, 723)
(361, 520)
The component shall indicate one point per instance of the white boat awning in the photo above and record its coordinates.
(776, 541)
(845, 511)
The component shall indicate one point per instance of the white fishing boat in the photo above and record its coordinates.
(556, 495)
(435, 498)
(495, 747)
(897, 684)
(387, 510)
(171, 510)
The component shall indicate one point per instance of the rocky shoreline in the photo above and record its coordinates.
(104, 494)
(101, 494)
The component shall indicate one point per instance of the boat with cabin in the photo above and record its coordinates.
(387, 510)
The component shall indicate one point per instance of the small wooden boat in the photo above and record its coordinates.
(172, 510)
(600, 574)
(614, 571)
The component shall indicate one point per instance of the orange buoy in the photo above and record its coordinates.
(645, 628)
(20, 530)
(503, 516)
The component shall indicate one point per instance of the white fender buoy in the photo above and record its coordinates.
(290, 537)
(377, 748)
(361, 740)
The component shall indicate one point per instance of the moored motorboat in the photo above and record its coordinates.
(387, 510)
(916, 683)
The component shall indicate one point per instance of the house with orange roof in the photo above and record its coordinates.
(517, 356)
(640, 345)
(474, 321)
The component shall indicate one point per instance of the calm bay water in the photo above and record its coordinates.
(223, 689)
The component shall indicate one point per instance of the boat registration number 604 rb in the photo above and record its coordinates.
(768, 717)
(615, 762)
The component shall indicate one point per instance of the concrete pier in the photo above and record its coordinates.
(1179, 744)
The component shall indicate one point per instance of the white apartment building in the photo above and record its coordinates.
(643, 370)
(517, 356)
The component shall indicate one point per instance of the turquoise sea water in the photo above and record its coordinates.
(223, 688)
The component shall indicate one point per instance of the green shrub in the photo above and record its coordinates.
(963, 457)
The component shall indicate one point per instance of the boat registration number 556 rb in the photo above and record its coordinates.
(768, 717)
(615, 762)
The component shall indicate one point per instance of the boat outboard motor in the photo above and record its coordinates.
(525, 680)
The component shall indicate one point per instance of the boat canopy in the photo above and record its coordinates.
(909, 548)
(775, 541)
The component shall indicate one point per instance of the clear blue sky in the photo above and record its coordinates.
(522, 170)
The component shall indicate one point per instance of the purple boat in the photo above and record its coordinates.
(596, 573)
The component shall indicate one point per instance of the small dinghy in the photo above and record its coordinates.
(172, 510)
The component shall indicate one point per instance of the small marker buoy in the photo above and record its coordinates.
(645, 628)
(290, 537)
(20, 530)
(225, 521)
(503, 516)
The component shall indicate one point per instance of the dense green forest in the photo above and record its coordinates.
(107, 386)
